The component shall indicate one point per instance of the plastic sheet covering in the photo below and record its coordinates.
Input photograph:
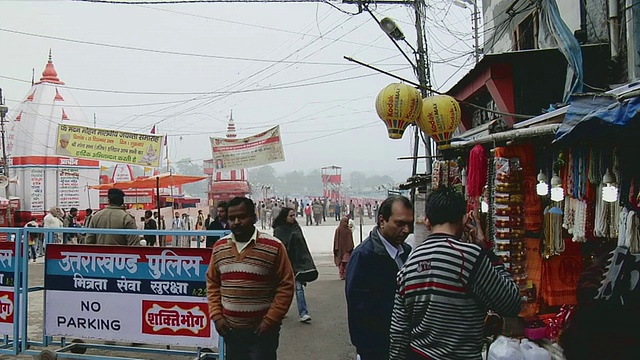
(555, 33)
(587, 114)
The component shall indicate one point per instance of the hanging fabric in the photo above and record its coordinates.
(632, 232)
(601, 214)
(560, 276)
(476, 172)
(595, 172)
(580, 221)
(622, 232)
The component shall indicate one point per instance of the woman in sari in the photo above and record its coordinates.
(342, 246)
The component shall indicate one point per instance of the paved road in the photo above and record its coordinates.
(325, 338)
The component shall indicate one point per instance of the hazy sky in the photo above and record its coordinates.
(271, 63)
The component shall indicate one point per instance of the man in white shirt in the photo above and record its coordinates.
(177, 225)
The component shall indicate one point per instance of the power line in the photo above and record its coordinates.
(171, 2)
(168, 52)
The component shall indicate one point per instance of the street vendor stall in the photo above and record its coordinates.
(557, 192)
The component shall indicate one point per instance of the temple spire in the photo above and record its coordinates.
(231, 128)
(50, 75)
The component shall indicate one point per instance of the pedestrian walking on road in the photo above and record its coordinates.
(53, 220)
(342, 246)
(188, 224)
(176, 225)
(113, 216)
(307, 214)
(250, 286)
(447, 285)
(286, 228)
(336, 210)
(32, 237)
(317, 212)
(371, 278)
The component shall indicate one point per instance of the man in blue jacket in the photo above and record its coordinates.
(371, 278)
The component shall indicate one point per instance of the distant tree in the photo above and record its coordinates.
(314, 183)
(264, 176)
(293, 183)
(188, 167)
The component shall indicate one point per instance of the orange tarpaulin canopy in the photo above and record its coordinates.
(157, 181)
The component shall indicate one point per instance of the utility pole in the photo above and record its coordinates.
(424, 78)
(3, 112)
(476, 37)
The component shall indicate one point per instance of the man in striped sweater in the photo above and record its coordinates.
(249, 285)
(446, 287)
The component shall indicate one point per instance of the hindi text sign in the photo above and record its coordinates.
(109, 145)
(164, 291)
(260, 149)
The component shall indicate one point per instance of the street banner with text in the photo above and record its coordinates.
(163, 291)
(109, 145)
(260, 149)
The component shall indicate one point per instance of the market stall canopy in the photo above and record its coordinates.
(592, 116)
(162, 180)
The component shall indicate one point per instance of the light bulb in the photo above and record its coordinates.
(484, 207)
(542, 189)
(610, 193)
(557, 194)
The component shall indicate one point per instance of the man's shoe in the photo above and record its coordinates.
(305, 318)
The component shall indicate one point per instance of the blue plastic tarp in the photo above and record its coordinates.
(593, 116)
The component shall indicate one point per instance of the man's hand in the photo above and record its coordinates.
(474, 227)
(263, 327)
(222, 327)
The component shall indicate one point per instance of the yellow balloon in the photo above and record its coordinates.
(398, 105)
(440, 117)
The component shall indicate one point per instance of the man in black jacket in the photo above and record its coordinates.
(221, 222)
(371, 278)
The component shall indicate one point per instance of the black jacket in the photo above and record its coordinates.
(215, 225)
(370, 290)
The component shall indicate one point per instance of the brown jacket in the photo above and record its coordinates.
(112, 217)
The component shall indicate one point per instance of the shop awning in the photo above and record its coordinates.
(591, 116)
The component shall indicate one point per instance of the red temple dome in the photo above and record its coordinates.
(50, 75)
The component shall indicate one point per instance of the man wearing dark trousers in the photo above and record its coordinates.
(371, 278)
(250, 286)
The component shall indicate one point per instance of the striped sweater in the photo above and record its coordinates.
(444, 291)
(250, 286)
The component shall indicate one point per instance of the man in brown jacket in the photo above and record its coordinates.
(250, 286)
(113, 216)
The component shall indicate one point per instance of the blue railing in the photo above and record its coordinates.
(76, 348)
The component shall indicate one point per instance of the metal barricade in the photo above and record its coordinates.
(80, 255)
(10, 299)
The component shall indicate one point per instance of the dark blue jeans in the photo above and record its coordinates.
(245, 344)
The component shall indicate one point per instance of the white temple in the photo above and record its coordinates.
(45, 179)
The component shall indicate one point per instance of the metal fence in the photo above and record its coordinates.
(71, 285)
